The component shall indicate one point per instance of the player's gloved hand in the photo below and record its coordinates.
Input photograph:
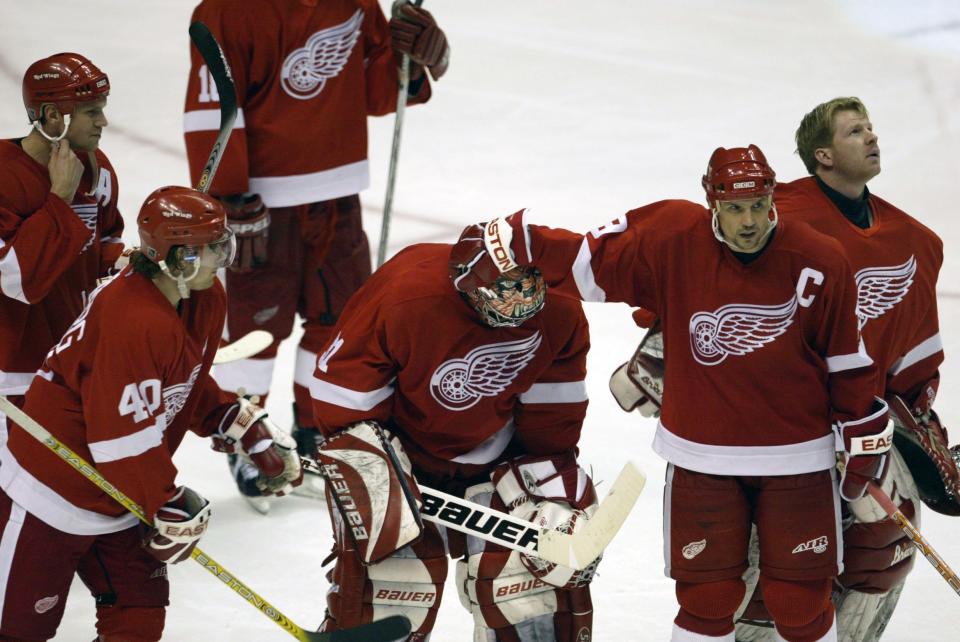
(414, 32)
(486, 250)
(308, 441)
(866, 441)
(178, 526)
(552, 493)
(249, 219)
(638, 384)
(246, 430)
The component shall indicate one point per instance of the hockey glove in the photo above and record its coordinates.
(370, 481)
(249, 219)
(486, 250)
(246, 430)
(553, 493)
(866, 442)
(923, 440)
(638, 384)
(178, 526)
(414, 32)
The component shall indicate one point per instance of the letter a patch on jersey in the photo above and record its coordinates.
(486, 371)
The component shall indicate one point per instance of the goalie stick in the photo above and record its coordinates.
(246, 346)
(219, 70)
(915, 536)
(576, 550)
(389, 628)
(395, 147)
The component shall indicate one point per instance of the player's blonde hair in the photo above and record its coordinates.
(816, 129)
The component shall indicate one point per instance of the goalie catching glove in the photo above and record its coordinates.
(866, 442)
(178, 526)
(638, 384)
(246, 430)
(369, 481)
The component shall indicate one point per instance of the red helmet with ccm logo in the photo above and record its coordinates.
(63, 79)
(738, 173)
(179, 216)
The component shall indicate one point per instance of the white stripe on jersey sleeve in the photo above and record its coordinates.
(128, 445)
(564, 392)
(11, 282)
(346, 398)
(842, 362)
(921, 351)
(583, 275)
(207, 120)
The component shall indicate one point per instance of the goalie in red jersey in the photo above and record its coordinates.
(123, 395)
(479, 394)
(764, 351)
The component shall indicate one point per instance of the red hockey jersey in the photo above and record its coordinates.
(757, 354)
(51, 255)
(121, 389)
(896, 262)
(411, 353)
(307, 76)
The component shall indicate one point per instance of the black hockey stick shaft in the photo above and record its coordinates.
(383, 630)
(219, 69)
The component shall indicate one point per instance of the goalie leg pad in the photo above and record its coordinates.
(508, 602)
(408, 583)
(363, 466)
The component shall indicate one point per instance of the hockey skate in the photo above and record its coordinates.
(245, 475)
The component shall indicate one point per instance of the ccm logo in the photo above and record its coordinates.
(496, 247)
(880, 443)
(475, 521)
(348, 505)
(744, 185)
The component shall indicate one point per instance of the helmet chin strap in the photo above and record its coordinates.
(715, 221)
(53, 139)
(180, 279)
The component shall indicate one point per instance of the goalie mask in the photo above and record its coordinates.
(181, 216)
(63, 79)
(734, 174)
(516, 295)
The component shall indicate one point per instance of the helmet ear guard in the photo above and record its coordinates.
(515, 297)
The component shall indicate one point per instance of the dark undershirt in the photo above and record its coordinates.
(856, 210)
(746, 258)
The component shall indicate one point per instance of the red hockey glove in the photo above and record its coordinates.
(178, 526)
(246, 430)
(485, 250)
(638, 384)
(414, 32)
(866, 441)
(249, 219)
(923, 441)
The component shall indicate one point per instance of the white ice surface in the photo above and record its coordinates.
(580, 111)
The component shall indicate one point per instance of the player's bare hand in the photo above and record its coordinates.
(65, 171)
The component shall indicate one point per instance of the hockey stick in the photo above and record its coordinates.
(386, 629)
(915, 536)
(217, 65)
(576, 550)
(394, 152)
(243, 348)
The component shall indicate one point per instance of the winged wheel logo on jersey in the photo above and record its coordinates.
(175, 396)
(879, 289)
(486, 371)
(307, 69)
(737, 329)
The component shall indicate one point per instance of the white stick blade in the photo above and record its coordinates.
(578, 550)
(246, 346)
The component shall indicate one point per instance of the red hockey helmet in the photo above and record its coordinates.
(738, 173)
(180, 216)
(63, 79)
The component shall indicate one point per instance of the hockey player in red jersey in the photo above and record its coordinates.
(59, 225)
(308, 74)
(479, 394)
(122, 396)
(760, 328)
